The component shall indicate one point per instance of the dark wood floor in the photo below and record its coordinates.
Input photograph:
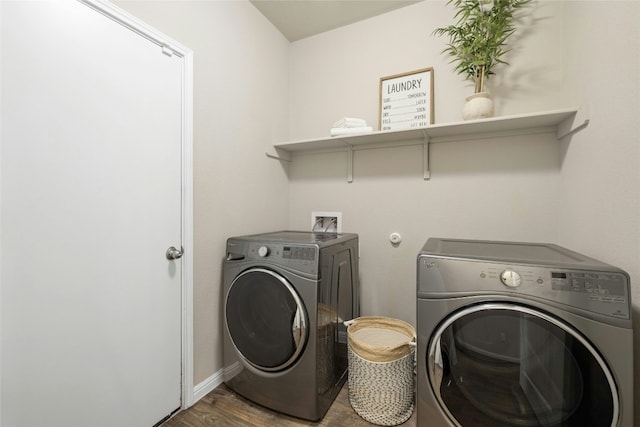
(223, 407)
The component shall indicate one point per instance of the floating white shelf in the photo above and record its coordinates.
(562, 122)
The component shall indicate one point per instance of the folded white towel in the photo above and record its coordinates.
(351, 131)
(350, 122)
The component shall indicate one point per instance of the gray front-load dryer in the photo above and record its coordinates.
(286, 295)
(521, 334)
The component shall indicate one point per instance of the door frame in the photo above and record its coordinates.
(171, 47)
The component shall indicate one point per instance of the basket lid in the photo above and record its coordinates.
(381, 339)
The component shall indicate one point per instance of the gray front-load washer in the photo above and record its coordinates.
(286, 295)
(521, 334)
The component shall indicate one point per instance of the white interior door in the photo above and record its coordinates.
(90, 201)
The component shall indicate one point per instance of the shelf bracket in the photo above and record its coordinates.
(425, 167)
(277, 153)
(574, 123)
(349, 163)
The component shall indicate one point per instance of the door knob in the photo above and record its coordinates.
(173, 253)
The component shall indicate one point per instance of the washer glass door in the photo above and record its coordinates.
(499, 364)
(266, 319)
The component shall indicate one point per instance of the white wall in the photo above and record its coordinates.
(504, 188)
(240, 91)
(337, 73)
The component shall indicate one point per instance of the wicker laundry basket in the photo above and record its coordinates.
(381, 355)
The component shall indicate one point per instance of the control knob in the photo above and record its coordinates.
(263, 251)
(511, 278)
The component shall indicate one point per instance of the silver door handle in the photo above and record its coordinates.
(173, 253)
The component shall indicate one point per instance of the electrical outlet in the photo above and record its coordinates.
(327, 222)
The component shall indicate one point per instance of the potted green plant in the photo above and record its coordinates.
(478, 43)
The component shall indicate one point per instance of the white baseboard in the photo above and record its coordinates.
(233, 370)
(206, 386)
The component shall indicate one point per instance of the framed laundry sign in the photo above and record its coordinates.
(406, 100)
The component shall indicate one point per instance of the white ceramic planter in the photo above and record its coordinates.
(478, 106)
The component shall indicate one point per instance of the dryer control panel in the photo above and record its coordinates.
(456, 268)
(603, 292)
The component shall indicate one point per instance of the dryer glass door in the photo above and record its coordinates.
(266, 319)
(510, 365)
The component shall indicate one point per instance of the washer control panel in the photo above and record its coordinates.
(304, 253)
(301, 258)
(282, 252)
